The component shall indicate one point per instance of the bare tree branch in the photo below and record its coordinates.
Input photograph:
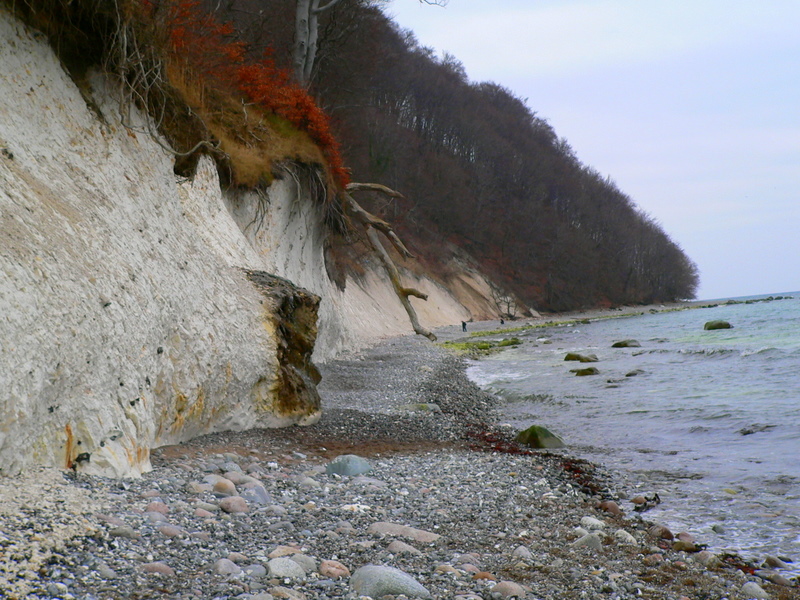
(330, 4)
(354, 210)
(371, 223)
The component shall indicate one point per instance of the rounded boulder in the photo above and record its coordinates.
(285, 568)
(348, 465)
(378, 581)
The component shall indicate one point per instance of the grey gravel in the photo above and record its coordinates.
(462, 519)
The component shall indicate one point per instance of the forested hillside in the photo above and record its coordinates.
(480, 171)
(478, 166)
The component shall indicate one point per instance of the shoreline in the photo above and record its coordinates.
(516, 524)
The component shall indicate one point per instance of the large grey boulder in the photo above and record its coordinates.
(285, 568)
(377, 581)
(256, 493)
(348, 465)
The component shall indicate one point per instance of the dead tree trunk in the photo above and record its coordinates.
(371, 223)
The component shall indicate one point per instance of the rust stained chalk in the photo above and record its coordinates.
(69, 449)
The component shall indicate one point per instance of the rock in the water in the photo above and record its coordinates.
(377, 581)
(626, 344)
(584, 358)
(537, 436)
(585, 372)
(773, 562)
(718, 324)
(349, 465)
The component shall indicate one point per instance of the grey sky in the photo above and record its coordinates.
(692, 107)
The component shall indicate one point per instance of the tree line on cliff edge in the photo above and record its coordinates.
(481, 169)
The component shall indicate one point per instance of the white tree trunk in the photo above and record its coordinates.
(301, 38)
(306, 34)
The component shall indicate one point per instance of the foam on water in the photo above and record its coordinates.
(710, 420)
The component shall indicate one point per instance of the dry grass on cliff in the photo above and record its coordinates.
(253, 143)
(188, 90)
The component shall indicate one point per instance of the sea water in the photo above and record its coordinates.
(710, 420)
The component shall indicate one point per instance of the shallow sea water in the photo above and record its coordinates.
(711, 421)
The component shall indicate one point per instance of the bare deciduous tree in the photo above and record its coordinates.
(307, 34)
(506, 303)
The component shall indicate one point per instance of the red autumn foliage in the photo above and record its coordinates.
(209, 49)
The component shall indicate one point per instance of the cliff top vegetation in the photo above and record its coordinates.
(484, 173)
(204, 88)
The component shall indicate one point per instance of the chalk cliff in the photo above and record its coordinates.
(139, 309)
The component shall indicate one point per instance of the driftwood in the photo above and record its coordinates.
(372, 225)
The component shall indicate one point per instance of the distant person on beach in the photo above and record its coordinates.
(502, 321)
(463, 325)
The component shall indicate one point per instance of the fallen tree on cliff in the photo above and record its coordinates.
(372, 225)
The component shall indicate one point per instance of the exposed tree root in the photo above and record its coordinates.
(371, 223)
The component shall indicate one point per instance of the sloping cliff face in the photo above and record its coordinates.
(122, 326)
(137, 309)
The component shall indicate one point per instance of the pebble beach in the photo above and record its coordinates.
(406, 488)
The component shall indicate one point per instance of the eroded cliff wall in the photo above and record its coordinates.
(125, 322)
(127, 316)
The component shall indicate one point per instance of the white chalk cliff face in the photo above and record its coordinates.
(126, 320)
